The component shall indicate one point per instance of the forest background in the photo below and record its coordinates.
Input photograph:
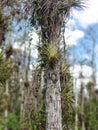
(23, 79)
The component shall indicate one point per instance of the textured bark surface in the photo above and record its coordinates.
(53, 100)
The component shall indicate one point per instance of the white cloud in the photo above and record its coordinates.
(75, 70)
(87, 71)
(85, 18)
(0, 50)
(35, 39)
(97, 79)
(89, 14)
(34, 53)
(34, 42)
(74, 36)
(16, 45)
(31, 67)
(96, 50)
(25, 45)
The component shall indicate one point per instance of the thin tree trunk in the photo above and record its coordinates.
(42, 80)
(53, 99)
(76, 104)
(76, 114)
(22, 100)
(82, 105)
(82, 109)
(6, 110)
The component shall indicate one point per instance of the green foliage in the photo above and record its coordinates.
(49, 15)
(50, 9)
(91, 116)
(49, 54)
(46, 13)
(67, 106)
(1, 123)
(3, 21)
(38, 120)
(3, 24)
(67, 96)
(90, 85)
(65, 74)
(90, 111)
(13, 122)
(4, 69)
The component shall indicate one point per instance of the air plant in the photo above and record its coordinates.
(50, 9)
(49, 54)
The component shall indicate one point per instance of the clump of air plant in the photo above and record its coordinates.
(5, 101)
(90, 85)
(4, 104)
(5, 68)
(53, 53)
(26, 84)
(65, 75)
(49, 54)
(3, 25)
(9, 51)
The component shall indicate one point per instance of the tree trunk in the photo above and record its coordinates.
(76, 113)
(6, 110)
(53, 99)
(76, 105)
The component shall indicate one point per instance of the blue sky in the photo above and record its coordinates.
(84, 18)
(82, 34)
(84, 26)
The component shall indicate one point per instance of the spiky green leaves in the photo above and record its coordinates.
(4, 69)
(49, 54)
(53, 53)
(51, 8)
(78, 3)
(49, 15)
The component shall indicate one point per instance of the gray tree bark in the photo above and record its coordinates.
(53, 99)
